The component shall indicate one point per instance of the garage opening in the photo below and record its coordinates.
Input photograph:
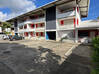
(51, 35)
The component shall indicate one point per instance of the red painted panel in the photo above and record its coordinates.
(74, 23)
(32, 25)
(36, 25)
(31, 34)
(62, 22)
(77, 21)
(74, 8)
(41, 33)
(26, 33)
(37, 34)
(41, 25)
(25, 26)
(77, 9)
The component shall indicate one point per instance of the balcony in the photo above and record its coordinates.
(88, 24)
(65, 24)
(32, 21)
(38, 20)
(66, 14)
(41, 29)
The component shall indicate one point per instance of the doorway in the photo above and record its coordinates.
(51, 35)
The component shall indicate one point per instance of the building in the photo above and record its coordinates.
(0, 27)
(53, 21)
(89, 29)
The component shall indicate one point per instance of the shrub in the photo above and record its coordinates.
(95, 55)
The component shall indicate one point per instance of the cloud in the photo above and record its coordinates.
(17, 7)
(2, 16)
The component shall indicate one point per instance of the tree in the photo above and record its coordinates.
(5, 25)
(98, 18)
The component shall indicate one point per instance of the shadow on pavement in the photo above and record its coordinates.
(20, 59)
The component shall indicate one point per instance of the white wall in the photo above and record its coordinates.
(8, 29)
(0, 29)
(78, 17)
(68, 24)
(69, 33)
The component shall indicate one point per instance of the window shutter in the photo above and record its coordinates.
(74, 22)
(62, 22)
(41, 25)
(31, 34)
(32, 25)
(37, 33)
(41, 33)
(36, 25)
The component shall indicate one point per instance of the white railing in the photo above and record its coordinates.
(32, 21)
(64, 15)
(66, 27)
(40, 29)
(38, 20)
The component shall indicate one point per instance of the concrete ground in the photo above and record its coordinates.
(43, 57)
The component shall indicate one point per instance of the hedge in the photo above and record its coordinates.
(95, 55)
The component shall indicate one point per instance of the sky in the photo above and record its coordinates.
(13, 8)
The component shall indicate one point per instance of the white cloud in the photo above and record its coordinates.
(2, 16)
(17, 7)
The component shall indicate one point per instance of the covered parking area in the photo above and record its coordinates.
(89, 29)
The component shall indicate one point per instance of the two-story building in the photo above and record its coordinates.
(53, 21)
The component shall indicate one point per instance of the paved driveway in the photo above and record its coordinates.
(41, 57)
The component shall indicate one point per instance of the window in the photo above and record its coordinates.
(26, 33)
(37, 34)
(25, 26)
(41, 25)
(32, 25)
(31, 33)
(36, 25)
(42, 33)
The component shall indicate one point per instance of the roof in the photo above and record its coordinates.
(84, 7)
(89, 24)
(83, 4)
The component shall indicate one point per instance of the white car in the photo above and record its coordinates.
(5, 37)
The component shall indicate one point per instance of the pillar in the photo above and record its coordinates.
(76, 35)
(16, 27)
(76, 23)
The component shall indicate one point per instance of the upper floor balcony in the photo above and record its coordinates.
(89, 24)
(38, 20)
(65, 10)
(65, 14)
(65, 24)
(40, 27)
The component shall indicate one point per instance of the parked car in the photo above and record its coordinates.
(5, 37)
(15, 37)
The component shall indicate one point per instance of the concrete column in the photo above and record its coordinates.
(76, 30)
(57, 25)
(16, 27)
(76, 35)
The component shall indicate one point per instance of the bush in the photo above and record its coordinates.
(95, 55)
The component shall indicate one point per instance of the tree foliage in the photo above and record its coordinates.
(98, 17)
(6, 25)
(95, 55)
